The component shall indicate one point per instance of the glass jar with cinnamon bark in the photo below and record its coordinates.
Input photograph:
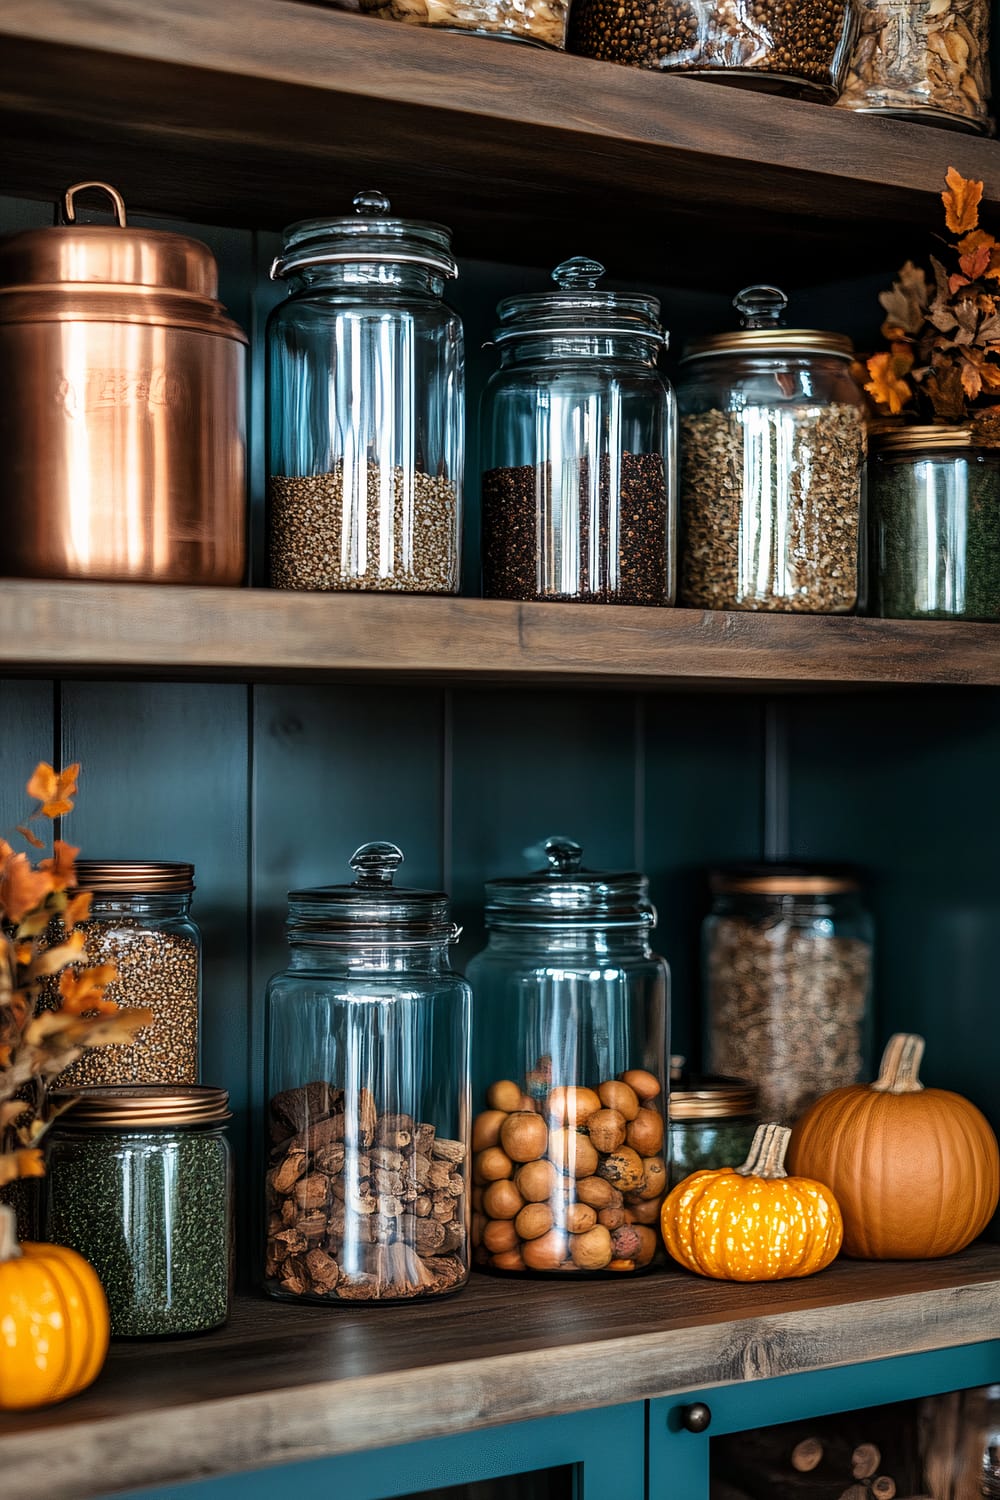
(368, 1086)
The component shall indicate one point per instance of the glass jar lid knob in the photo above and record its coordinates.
(563, 855)
(761, 306)
(371, 204)
(578, 274)
(376, 864)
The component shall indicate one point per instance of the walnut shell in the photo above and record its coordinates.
(486, 1129)
(536, 1181)
(504, 1095)
(491, 1165)
(499, 1235)
(524, 1136)
(534, 1219)
(645, 1084)
(606, 1129)
(617, 1095)
(645, 1132)
(623, 1168)
(547, 1253)
(572, 1105)
(573, 1153)
(502, 1200)
(591, 1251)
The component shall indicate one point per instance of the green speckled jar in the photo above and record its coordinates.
(712, 1123)
(139, 1181)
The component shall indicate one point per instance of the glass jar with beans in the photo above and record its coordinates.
(579, 444)
(570, 1002)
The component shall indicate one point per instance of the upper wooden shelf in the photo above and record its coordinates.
(259, 112)
(283, 1383)
(260, 634)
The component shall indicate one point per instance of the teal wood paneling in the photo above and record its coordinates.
(904, 786)
(606, 1448)
(27, 735)
(703, 800)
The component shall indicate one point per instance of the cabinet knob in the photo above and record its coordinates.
(696, 1417)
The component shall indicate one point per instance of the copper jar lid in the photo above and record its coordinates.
(712, 1097)
(783, 880)
(761, 308)
(903, 440)
(134, 877)
(142, 1106)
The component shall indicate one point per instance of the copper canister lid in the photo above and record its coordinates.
(126, 877)
(783, 880)
(712, 1097)
(135, 1106)
(920, 439)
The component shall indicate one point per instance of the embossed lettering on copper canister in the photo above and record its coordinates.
(122, 407)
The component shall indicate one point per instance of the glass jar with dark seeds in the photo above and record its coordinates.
(579, 444)
(798, 47)
(139, 1181)
(712, 1123)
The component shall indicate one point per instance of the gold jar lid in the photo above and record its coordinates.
(782, 880)
(921, 439)
(143, 1106)
(134, 877)
(712, 1098)
(761, 310)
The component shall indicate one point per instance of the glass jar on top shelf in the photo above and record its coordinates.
(540, 22)
(570, 1072)
(787, 980)
(366, 407)
(368, 1083)
(579, 448)
(935, 525)
(773, 447)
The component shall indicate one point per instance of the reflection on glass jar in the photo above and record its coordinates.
(579, 448)
(366, 407)
(935, 525)
(773, 445)
(788, 969)
(368, 1087)
(571, 1039)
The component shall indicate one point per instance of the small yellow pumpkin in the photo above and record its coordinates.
(54, 1325)
(754, 1222)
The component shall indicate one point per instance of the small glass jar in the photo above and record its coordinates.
(366, 403)
(773, 446)
(934, 506)
(922, 61)
(571, 1071)
(788, 971)
(799, 48)
(542, 22)
(712, 1124)
(139, 1181)
(368, 1083)
(579, 448)
(140, 921)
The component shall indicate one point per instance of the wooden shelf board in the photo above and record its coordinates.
(285, 1383)
(260, 635)
(259, 112)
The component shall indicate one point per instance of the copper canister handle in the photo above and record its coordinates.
(117, 201)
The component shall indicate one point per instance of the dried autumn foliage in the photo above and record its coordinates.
(943, 362)
(36, 1043)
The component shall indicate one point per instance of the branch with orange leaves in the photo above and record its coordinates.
(38, 1043)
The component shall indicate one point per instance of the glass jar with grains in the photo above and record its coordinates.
(570, 1066)
(924, 60)
(787, 976)
(366, 400)
(579, 445)
(798, 47)
(140, 921)
(368, 1083)
(773, 445)
(935, 525)
(139, 1181)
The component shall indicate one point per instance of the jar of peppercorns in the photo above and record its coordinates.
(798, 47)
(579, 444)
(570, 1034)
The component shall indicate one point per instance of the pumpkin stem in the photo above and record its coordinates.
(9, 1248)
(900, 1065)
(767, 1152)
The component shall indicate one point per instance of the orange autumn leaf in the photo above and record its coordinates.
(25, 832)
(77, 910)
(22, 889)
(886, 386)
(85, 991)
(961, 200)
(976, 263)
(61, 866)
(15, 1164)
(53, 789)
(54, 959)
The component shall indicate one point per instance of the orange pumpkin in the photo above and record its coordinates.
(916, 1171)
(754, 1222)
(54, 1325)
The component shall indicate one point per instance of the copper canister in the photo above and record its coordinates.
(122, 407)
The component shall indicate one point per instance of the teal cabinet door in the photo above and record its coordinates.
(680, 1459)
(590, 1455)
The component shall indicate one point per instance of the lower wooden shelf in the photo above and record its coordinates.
(261, 634)
(284, 1383)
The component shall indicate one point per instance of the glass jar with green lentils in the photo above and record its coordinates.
(712, 1123)
(139, 1182)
